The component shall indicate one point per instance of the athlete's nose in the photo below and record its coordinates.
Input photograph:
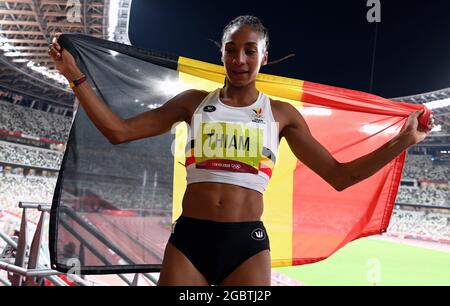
(239, 59)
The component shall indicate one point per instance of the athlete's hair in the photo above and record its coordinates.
(248, 20)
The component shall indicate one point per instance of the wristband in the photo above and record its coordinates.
(77, 82)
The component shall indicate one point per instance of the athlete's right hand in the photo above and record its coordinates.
(64, 61)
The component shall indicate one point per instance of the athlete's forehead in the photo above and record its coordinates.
(248, 43)
(242, 35)
(244, 40)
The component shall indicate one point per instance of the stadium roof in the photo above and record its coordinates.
(26, 27)
(423, 98)
(439, 102)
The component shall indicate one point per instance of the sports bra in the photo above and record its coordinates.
(232, 145)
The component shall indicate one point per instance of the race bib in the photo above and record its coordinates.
(228, 146)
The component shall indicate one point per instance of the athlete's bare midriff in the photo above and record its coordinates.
(222, 202)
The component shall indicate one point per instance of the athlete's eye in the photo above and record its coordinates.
(250, 52)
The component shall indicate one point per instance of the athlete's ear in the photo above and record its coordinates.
(265, 58)
(221, 56)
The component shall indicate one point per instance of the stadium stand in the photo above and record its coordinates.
(16, 188)
(421, 224)
(421, 167)
(33, 122)
(29, 156)
(433, 196)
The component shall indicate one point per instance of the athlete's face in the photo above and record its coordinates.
(243, 53)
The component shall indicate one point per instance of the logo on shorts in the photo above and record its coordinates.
(258, 234)
(209, 108)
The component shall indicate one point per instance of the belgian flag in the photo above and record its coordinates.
(113, 205)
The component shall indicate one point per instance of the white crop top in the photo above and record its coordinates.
(233, 145)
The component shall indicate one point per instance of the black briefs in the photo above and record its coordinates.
(217, 248)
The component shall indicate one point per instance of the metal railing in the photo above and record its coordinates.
(26, 268)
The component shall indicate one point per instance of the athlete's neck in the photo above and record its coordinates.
(239, 96)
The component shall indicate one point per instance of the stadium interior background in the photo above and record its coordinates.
(36, 112)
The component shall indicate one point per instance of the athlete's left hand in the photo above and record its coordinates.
(413, 131)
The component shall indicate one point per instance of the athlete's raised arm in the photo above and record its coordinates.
(115, 128)
(343, 175)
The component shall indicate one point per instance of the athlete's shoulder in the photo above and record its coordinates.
(279, 107)
(282, 112)
(199, 91)
(275, 103)
(282, 107)
(192, 99)
(195, 93)
(196, 96)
